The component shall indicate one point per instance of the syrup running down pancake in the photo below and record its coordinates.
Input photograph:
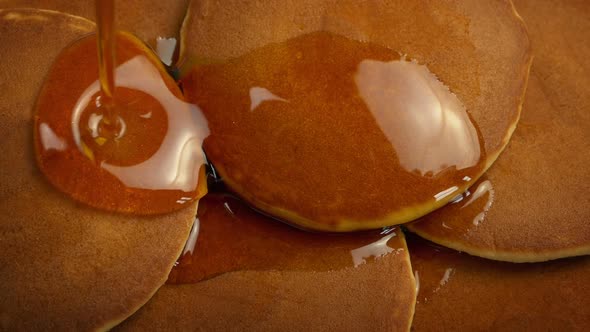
(65, 266)
(149, 162)
(229, 236)
(330, 133)
(264, 275)
(540, 184)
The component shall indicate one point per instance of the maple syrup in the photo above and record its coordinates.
(465, 213)
(105, 13)
(335, 134)
(230, 236)
(137, 143)
(434, 266)
(127, 141)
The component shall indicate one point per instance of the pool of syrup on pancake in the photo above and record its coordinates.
(124, 141)
(127, 141)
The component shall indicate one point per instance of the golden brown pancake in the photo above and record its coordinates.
(283, 279)
(328, 167)
(64, 266)
(540, 208)
(459, 292)
(147, 19)
(230, 236)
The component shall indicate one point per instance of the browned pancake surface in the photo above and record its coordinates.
(459, 292)
(379, 295)
(64, 266)
(312, 176)
(541, 205)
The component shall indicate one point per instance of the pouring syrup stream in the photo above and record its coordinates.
(105, 14)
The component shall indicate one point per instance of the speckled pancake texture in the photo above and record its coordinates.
(64, 266)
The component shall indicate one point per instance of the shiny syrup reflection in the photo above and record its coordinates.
(427, 125)
(334, 131)
(434, 266)
(156, 165)
(230, 236)
(462, 215)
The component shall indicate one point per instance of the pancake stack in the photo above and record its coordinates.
(351, 189)
(541, 208)
(66, 266)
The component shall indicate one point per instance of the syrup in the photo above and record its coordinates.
(105, 13)
(465, 213)
(138, 143)
(125, 141)
(335, 134)
(229, 236)
(434, 266)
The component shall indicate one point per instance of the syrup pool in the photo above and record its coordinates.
(151, 163)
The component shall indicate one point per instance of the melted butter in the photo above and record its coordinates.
(230, 236)
(153, 163)
(334, 134)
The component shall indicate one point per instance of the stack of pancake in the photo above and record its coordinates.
(65, 266)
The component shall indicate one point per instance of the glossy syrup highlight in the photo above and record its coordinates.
(230, 236)
(336, 134)
(136, 151)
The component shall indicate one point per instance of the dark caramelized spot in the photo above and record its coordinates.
(335, 134)
(230, 236)
(146, 161)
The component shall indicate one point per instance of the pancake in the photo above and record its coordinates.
(459, 292)
(540, 208)
(216, 247)
(323, 160)
(64, 266)
(264, 275)
(147, 19)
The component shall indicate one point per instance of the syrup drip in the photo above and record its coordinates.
(106, 124)
(138, 145)
(105, 13)
(230, 236)
(434, 266)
